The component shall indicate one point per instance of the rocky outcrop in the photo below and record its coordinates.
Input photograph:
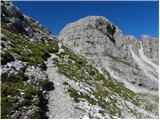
(105, 47)
(121, 58)
(25, 47)
(102, 96)
(14, 20)
(151, 47)
(91, 71)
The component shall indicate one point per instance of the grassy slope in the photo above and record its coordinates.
(70, 65)
(33, 54)
(77, 69)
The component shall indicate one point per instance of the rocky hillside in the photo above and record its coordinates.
(90, 71)
(130, 62)
(25, 45)
(105, 47)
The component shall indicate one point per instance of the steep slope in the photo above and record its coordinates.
(147, 66)
(120, 58)
(23, 81)
(60, 104)
(150, 48)
(105, 47)
(88, 75)
(101, 97)
(27, 86)
(14, 20)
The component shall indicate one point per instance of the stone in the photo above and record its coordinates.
(105, 47)
(11, 67)
(36, 73)
(16, 21)
(128, 64)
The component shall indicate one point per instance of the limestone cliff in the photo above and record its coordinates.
(91, 70)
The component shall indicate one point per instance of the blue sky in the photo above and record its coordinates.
(135, 18)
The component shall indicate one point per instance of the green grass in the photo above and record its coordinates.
(12, 100)
(9, 93)
(30, 91)
(38, 114)
(150, 107)
(81, 72)
(39, 27)
(74, 57)
(33, 53)
(77, 95)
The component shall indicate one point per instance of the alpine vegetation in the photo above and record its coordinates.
(90, 70)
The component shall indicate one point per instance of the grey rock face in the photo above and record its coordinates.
(151, 47)
(89, 88)
(11, 67)
(80, 90)
(13, 19)
(106, 48)
(23, 86)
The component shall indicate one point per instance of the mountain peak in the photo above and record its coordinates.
(95, 36)
(93, 71)
(98, 22)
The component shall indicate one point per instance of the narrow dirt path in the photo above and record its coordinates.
(60, 104)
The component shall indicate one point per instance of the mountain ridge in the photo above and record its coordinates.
(91, 68)
(101, 44)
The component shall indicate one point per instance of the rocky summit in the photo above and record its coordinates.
(91, 70)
